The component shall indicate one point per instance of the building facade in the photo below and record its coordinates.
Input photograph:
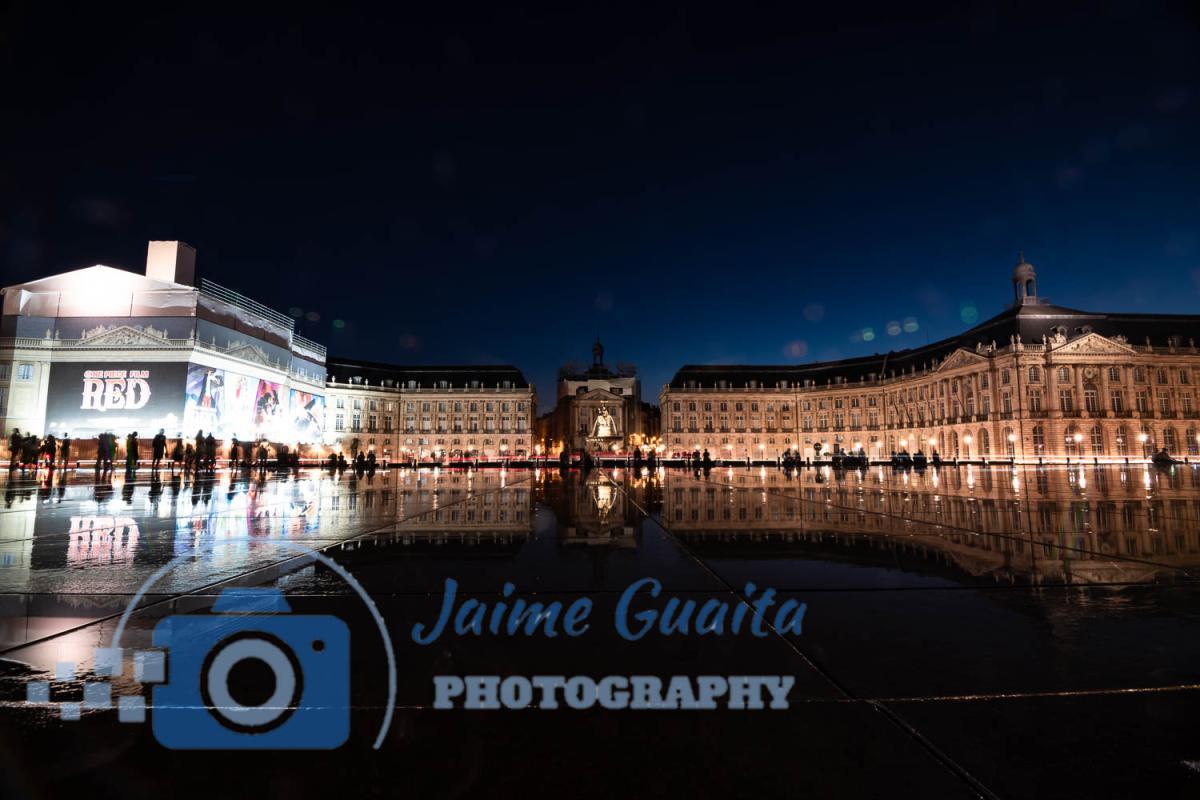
(105, 350)
(429, 413)
(1037, 381)
(598, 409)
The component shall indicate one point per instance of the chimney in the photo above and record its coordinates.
(171, 261)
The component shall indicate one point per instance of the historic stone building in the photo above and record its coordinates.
(429, 412)
(100, 349)
(598, 409)
(1037, 381)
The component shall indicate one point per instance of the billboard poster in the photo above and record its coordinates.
(308, 415)
(270, 414)
(231, 404)
(86, 399)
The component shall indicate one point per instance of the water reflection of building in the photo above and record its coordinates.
(437, 506)
(1035, 381)
(1106, 524)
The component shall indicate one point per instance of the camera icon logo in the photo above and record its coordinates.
(251, 675)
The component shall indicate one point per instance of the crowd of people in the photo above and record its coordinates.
(27, 451)
(198, 455)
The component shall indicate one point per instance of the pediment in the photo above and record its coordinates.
(600, 394)
(961, 358)
(1090, 344)
(248, 352)
(125, 336)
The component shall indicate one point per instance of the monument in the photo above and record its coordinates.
(605, 434)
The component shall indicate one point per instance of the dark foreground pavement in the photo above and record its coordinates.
(968, 634)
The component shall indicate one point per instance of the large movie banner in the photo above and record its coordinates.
(229, 404)
(85, 399)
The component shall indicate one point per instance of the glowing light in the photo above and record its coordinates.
(1012, 437)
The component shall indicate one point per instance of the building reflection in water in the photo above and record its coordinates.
(1106, 524)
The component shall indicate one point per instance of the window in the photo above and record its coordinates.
(1143, 401)
(1164, 401)
(1122, 441)
(356, 423)
(1161, 376)
(1064, 374)
(1035, 400)
(357, 403)
(1039, 438)
(1035, 375)
(1097, 441)
(1090, 401)
(1139, 374)
(1114, 373)
(1118, 400)
(1183, 377)
(339, 421)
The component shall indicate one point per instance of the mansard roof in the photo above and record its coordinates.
(1030, 321)
(372, 373)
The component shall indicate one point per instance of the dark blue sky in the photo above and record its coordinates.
(693, 184)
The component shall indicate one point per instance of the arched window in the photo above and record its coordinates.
(1193, 446)
(1169, 440)
(1122, 441)
(1097, 441)
(954, 443)
(1039, 439)
(985, 444)
(1010, 442)
(1071, 445)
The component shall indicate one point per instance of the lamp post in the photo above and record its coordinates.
(1143, 438)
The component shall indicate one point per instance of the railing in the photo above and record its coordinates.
(219, 292)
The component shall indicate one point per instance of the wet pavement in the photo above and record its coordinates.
(969, 632)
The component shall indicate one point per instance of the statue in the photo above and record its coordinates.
(604, 427)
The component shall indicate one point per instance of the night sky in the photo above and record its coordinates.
(502, 184)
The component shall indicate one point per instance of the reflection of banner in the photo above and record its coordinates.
(229, 404)
(308, 416)
(89, 398)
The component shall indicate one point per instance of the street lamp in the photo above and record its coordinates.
(1143, 438)
(967, 441)
(1078, 437)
